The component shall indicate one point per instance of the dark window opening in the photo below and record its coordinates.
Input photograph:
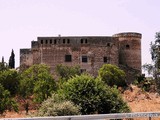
(84, 59)
(86, 41)
(55, 41)
(41, 41)
(108, 44)
(105, 59)
(127, 46)
(83, 70)
(64, 41)
(50, 41)
(46, 41)
(68, 58)
(81, 40)
(68, 41)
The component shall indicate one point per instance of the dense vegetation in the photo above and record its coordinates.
(72, 93)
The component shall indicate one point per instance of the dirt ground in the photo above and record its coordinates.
(138, 101)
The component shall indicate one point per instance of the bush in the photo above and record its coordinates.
(6, 103)
(112, 75)
(93, 95)
(58, 106)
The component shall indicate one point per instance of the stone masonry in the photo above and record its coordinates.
(89, 52)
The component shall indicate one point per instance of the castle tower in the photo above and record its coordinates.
(130, 49)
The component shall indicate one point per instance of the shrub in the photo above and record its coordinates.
(6, 103)
(93, 95)
(58, 106)
(112, 75)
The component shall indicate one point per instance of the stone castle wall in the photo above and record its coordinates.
(90, 53)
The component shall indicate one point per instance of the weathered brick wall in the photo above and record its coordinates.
(94, 48)
(26, 57)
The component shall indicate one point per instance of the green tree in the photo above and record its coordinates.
(3, 65)
(37, 81)
(112, 75)
(6, 102)
(12, 60)
(93, 95)
(10, 80)
(154, 69)
(65, 72)
(58, 106)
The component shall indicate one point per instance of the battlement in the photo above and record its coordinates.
(80, 40)
(25, 51)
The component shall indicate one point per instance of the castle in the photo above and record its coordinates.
(89, 52)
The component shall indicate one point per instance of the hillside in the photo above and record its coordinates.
(138, 101)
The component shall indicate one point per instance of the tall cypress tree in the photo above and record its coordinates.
(12, 60)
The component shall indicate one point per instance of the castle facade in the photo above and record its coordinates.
(89, 52)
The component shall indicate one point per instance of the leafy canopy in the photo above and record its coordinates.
(10, 80)
(6, 102)
(93, 95)
(37, 81)
(112, 75)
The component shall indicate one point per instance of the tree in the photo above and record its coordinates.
(58, 106)
(3, 65)
(10, 80)
(6, 102)
(112, 75)
(12, 60)
(65, 72)
(37, 81)
(92, 95)
(154, 69)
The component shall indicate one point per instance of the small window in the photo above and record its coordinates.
(64, 41)
(86, 41)
(81, 40)
(83, 70)
(105, 59)
(68, 58)
(41, 41)
(127, 46)
(108, 44)
(46, 41)
(55, 41)
(50, 41)
(68, 41)
(84, 59)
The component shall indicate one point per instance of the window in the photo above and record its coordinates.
(81, 40)
(50, 41)
(86, 41)
(83, 70)
(68, 41)
(64, 41)
(108, 44)
(84, 59)
(41, 41)
(55, 41)
(68, 58)
(46, 41)
(105, 59)
(127, 46)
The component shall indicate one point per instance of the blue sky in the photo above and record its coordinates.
(22, 21)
